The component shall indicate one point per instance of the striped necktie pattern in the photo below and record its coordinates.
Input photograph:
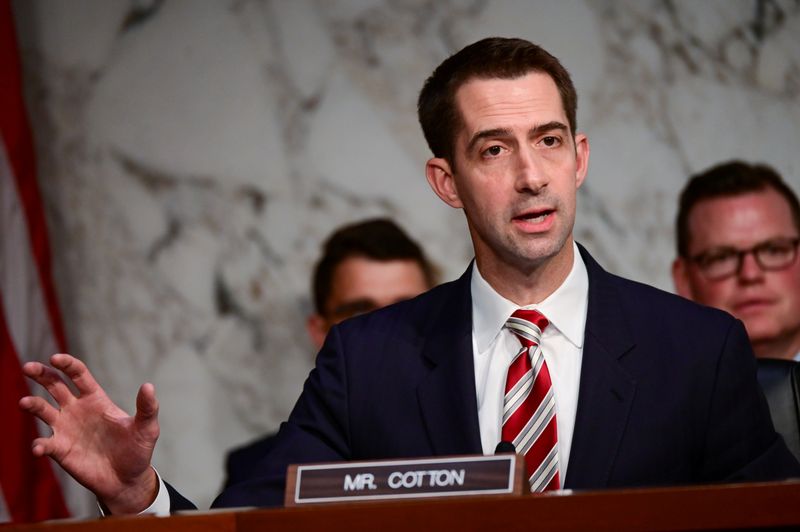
(529, 406)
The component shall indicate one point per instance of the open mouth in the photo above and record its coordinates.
(534, 217)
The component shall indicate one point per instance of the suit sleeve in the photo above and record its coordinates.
(741, 443)
(317, 431)
(178, 502)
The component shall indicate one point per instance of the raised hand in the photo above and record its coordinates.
(93, 439)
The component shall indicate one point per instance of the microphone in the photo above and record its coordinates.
(505, 447)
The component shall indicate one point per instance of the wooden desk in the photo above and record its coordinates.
(732, 506)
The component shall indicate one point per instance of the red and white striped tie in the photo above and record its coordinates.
(529, 406)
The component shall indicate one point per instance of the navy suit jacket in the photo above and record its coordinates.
(668, 394)
(239, 463)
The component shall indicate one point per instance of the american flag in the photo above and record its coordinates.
(30, 322)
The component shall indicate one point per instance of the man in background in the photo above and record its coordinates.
(738, 228)
(364, 266)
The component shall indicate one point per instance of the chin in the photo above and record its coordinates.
(760, 332)
(544, 249)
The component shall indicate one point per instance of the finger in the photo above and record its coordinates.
(51, 380)
(43, 446)
(39, 408)
(77, 371)
(147, 411)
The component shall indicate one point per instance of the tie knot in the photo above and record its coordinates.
(528, 326)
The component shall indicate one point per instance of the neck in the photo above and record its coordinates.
(785, 347)
(528, 284)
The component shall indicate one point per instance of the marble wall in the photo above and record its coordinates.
(194, 154)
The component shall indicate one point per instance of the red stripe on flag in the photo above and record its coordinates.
(30, 488)
(27, 484)
(17, 138)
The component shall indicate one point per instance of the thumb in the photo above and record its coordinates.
(146, 419)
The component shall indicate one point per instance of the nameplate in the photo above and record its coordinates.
(404, 479)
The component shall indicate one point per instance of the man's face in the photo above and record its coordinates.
(768, 302)
(360, 285)
(516, 171)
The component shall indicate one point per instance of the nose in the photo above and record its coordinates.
(750, 271)
(530, 175)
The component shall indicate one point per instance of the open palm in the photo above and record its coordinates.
(94, 440)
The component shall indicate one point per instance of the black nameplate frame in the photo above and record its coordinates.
(404, 479)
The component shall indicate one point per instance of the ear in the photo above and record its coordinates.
(317, 328)
(680, 278)
(440, 178)
(581, 158)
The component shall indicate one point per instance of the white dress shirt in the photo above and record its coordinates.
(494, 346)
(161, 505)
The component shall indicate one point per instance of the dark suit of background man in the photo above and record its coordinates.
(650, 388)
(364, 266)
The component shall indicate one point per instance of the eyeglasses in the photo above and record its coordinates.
(719, 263)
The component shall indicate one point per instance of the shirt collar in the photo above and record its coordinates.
(565, 308)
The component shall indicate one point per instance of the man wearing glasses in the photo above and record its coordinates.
(738, 229)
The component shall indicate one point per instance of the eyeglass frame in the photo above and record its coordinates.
(740, 254)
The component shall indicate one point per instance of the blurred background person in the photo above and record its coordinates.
(738, 228)
(737, 236)
(364, 266)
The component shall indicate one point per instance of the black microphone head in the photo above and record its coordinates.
(505, 447)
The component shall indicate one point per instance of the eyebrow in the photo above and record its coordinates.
(501, 132)
(353, 307)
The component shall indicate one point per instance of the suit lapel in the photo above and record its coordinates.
(447, 395)
(606, 390)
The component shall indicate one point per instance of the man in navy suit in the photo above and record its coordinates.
(649, 388)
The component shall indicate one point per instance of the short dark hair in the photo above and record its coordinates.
(732, 178)
(491, 58)
(378, 239)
